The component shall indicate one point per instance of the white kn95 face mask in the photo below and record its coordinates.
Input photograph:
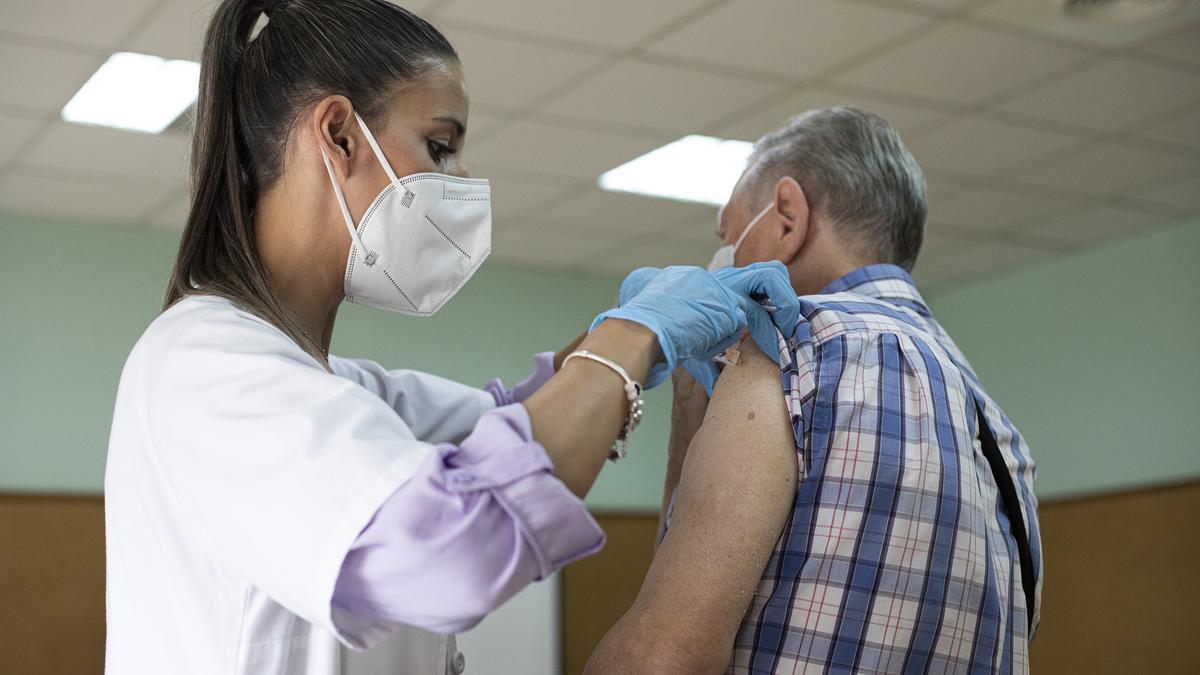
(724, 256)
(419, 242)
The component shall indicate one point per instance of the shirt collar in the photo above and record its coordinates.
(882, 281)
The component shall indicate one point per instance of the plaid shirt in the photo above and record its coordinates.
(898, 556)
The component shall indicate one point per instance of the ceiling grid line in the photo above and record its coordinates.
(50, 119)
(1146, 163)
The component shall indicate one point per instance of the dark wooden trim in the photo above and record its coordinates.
(1120, 493)
(1113, 493)
(51, 496)
(1103, 495)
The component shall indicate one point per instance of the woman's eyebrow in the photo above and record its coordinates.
(459, 127)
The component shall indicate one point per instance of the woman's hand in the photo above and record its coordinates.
(563, 353)
(695, 315)
(576, 415)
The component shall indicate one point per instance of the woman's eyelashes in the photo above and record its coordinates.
(439, 152)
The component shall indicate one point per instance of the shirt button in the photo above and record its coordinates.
(459, 663)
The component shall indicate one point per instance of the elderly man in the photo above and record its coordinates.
(882, 519)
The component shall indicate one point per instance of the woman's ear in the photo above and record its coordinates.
(332, 122)
(792, 210)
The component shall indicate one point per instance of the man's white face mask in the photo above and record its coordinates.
(420, 240)
(725, 255)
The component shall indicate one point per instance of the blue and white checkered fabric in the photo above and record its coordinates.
(897, 557)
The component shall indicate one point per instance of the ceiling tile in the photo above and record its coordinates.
(1115, 93)
(945, 260)
(48, 86)
(653, 96)
(944, 5)
(14, 132)
(501, 71)
(698, 228)
(793, 39)
(554, 153)
(753, 124)
(1182, 131)
(961, 64)
(1094, 225)
(1182, 193)
(937, 192)
(654, 251)
(971, 145)
(421, 7)
(171, 217)
(603, 213)
(1048, 18)
(545, 247)
(124, 156)
(992, 208)
(100, 24)
(1107, 169)
(612, 25)
(175, 30)
(62, 197)
(1181, 45)
(516, 200)
(480, 124)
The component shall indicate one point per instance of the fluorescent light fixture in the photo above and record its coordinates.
(692, 169)
(138, 92)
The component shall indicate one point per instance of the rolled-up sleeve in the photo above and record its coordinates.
(543, 370)
(477, 523)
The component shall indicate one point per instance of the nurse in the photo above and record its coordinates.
(269, 505)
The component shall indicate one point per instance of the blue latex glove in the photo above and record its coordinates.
(687, 308)
(765, 282)
(635, 282)
(704, 371)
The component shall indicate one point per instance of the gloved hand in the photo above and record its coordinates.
(766, 282)
(635, 282)
(686, 307)
(704, 371)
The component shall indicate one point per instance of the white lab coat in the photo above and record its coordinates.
(239, 474)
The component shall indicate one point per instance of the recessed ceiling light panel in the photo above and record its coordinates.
(1119, 11)
(138, 92)
(694, 168)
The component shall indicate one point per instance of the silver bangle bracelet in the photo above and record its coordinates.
(633, 393)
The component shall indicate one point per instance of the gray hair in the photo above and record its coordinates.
(854, 167)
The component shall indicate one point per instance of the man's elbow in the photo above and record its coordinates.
(680, 659)
(630, 650)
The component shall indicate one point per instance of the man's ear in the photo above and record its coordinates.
(332, 123)
(792, 211)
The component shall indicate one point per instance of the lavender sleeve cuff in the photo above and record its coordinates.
(543, 370)
(478, 522)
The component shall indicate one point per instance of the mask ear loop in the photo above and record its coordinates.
(752, 224)
(375, 146)
(369, 257)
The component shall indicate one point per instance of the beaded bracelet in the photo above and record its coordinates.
(633, 393)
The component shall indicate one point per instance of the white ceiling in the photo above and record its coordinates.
(1038, 136)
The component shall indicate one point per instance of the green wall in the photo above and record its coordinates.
(1093, 355)
(1096, 358)
(75, 299)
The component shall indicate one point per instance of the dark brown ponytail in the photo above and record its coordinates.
(251, 92)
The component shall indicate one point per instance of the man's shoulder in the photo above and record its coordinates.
(824, 317)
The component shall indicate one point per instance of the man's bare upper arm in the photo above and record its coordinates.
(734, 497)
